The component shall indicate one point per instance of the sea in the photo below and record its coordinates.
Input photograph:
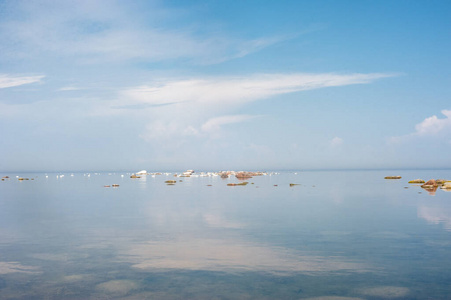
(343, 235)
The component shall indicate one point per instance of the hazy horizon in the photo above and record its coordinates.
(198, 171)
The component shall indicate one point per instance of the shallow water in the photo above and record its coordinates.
(336, 235)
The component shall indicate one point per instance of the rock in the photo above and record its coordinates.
(134, 176)
(293, 184)
(440, 181)
(446, 186)
(235, 184)
(106, 186)
(170, 181)
(430, 186)
(392, 177)
(430, 183)
(243, 175)
(417, 181)
(115, 185)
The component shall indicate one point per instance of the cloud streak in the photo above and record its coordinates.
(239, 90)
(7, 80)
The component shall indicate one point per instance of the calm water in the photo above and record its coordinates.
(337, 235)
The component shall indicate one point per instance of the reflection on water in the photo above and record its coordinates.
(436, 215)
(15, 267)
(336, 235)
(431, 190)
(229, 255)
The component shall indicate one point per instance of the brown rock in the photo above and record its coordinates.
(243, 175)
(431, 183)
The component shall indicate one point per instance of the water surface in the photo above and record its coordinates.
(336, 235)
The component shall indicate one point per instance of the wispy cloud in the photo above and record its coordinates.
(69, 88)
(240, 89)
(109, 31)
(7, 80)
(215, 124)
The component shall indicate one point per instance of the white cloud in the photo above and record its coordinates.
(429, 127)
(198, 106)
(434, 125)
(7, 81)
(336, 142)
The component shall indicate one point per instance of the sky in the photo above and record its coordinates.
(224, 85)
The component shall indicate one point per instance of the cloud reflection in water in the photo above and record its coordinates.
(231, 255)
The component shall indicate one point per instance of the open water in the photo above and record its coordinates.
(337, 235)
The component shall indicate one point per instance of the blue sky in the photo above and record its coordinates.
(213, 85)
